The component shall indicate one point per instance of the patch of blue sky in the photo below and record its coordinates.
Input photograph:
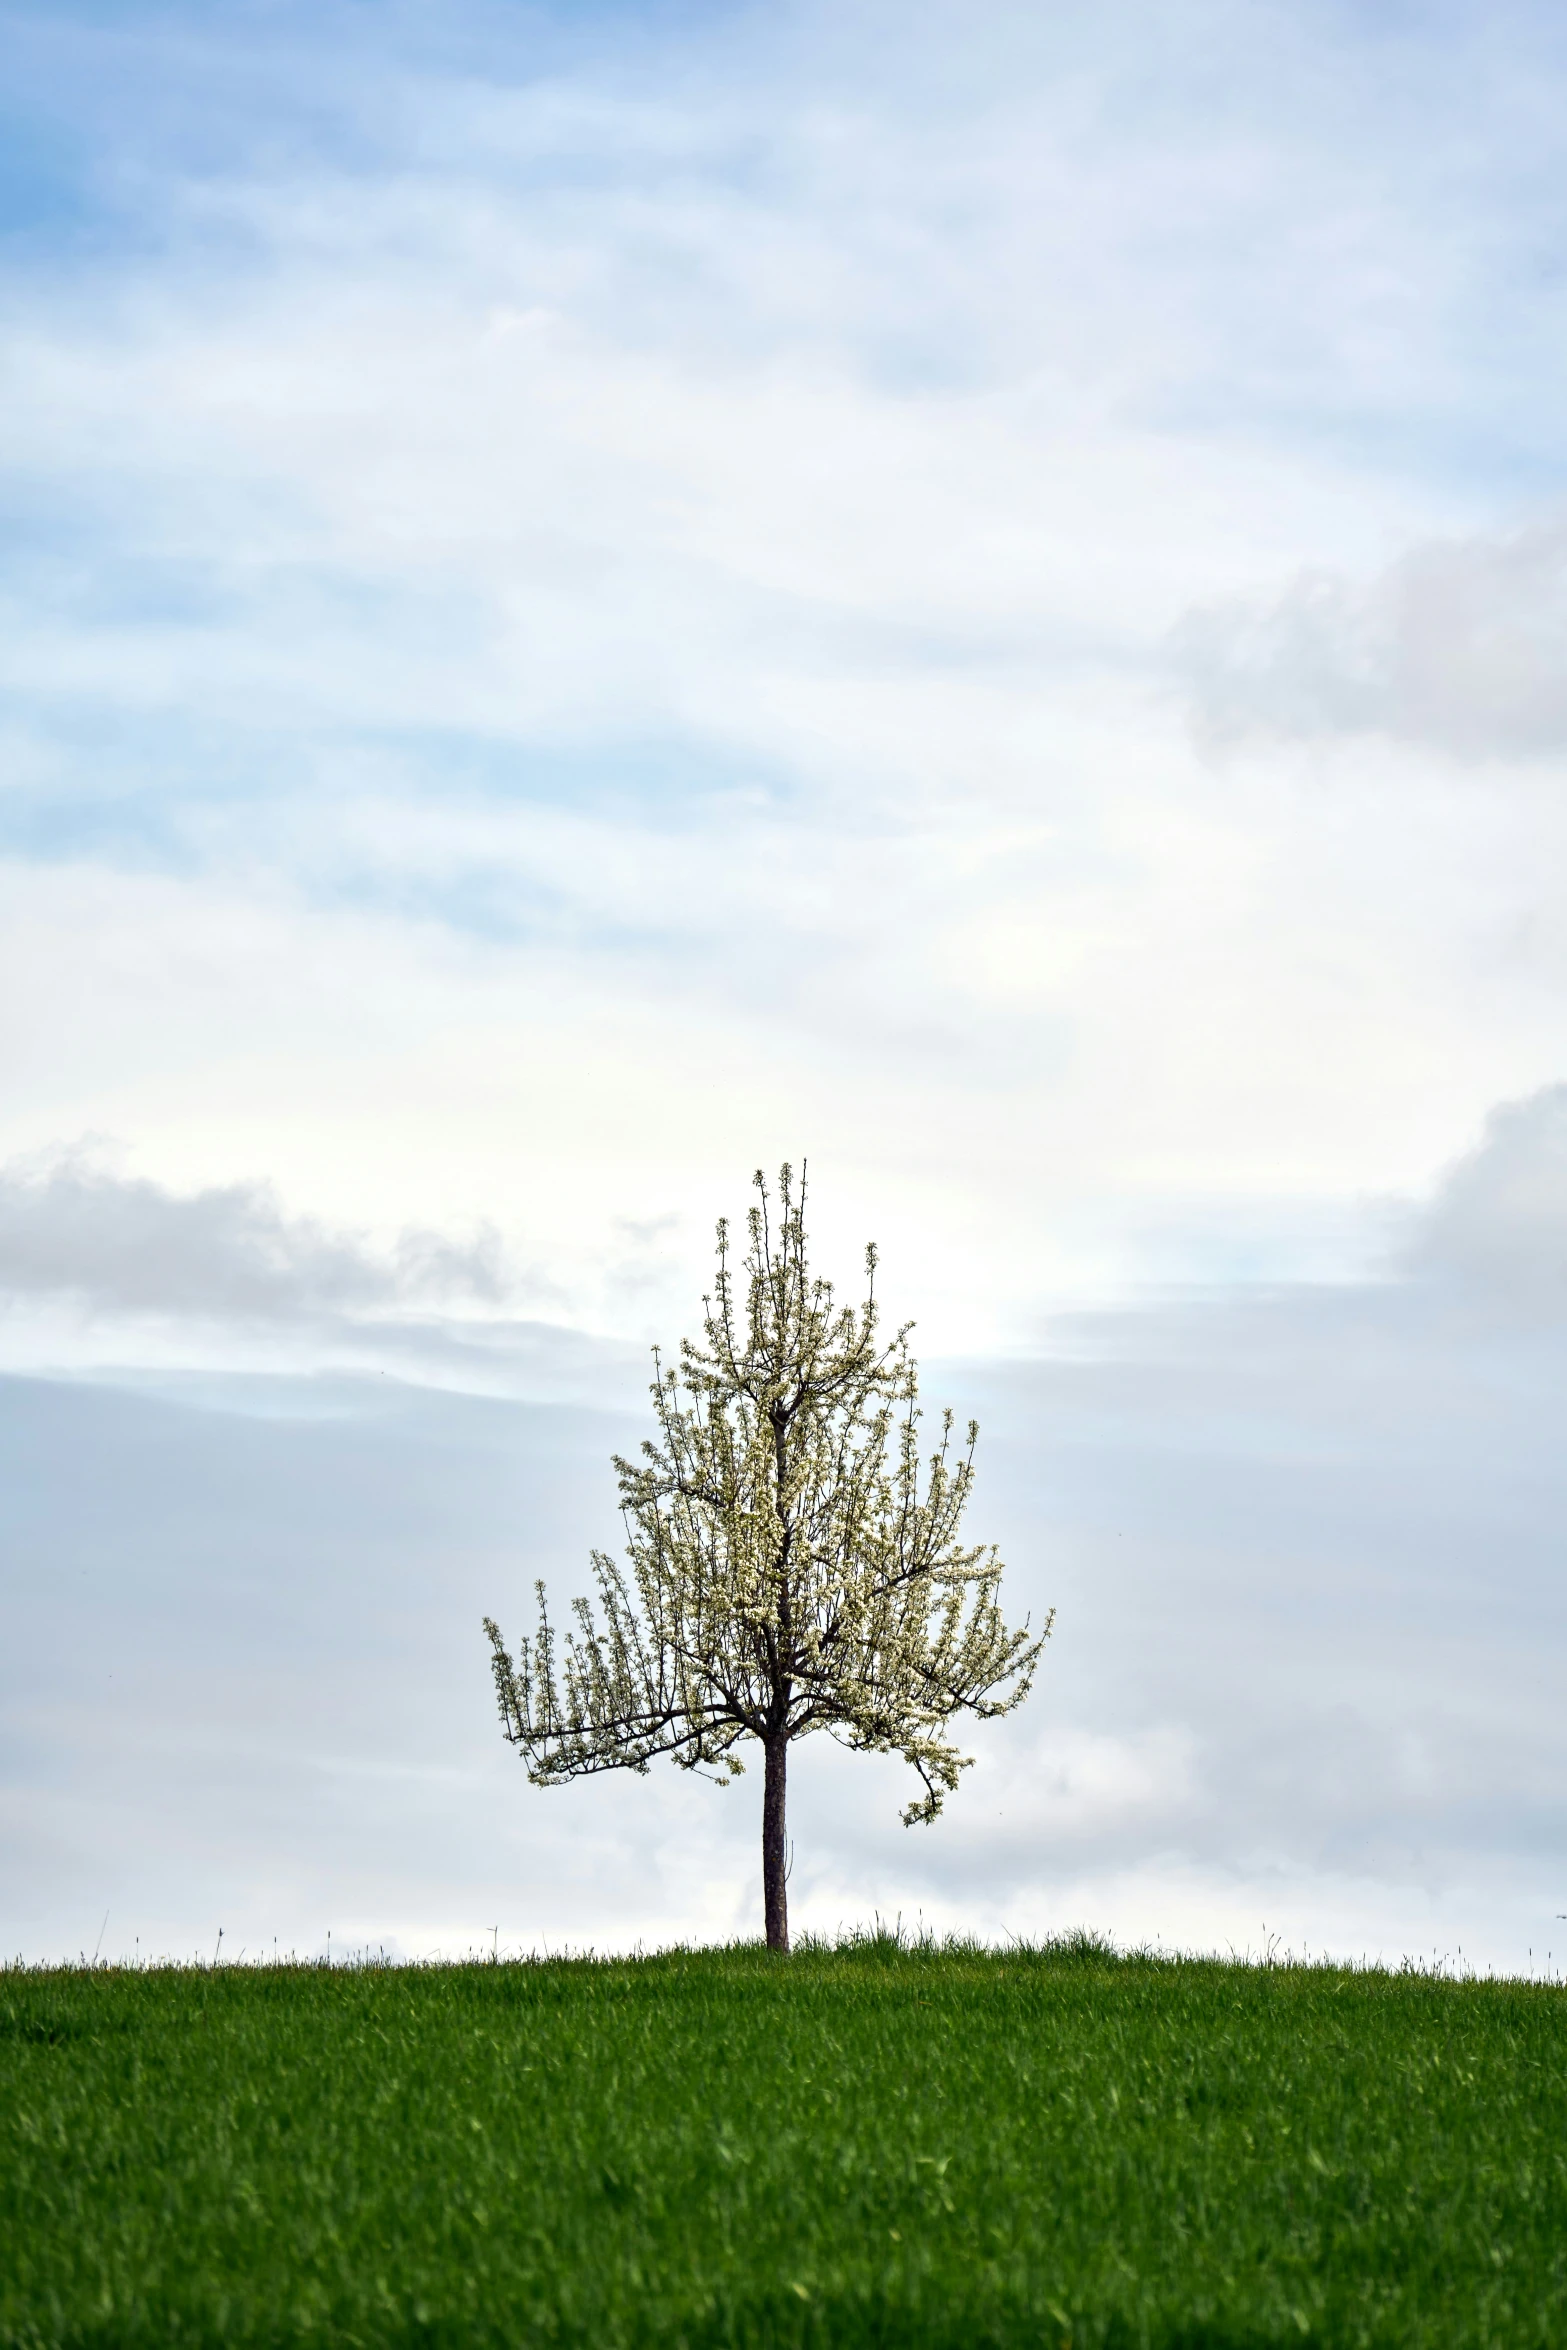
(168, 741)
(193, 797)
(490, 904)
(109, 787)
(606, 895)
(47, 190)
(68, 556)
(118, 787)
(1489, 457)
(669, 784)
(99, 125)
(177, 88)
(116, 555)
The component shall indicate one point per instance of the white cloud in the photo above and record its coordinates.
(583, 612)
(609, 626)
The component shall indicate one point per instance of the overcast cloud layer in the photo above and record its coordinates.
(1305, 1678)
(1304, 1545)
(591, 599)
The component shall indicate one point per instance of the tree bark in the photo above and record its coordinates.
(775, 1888)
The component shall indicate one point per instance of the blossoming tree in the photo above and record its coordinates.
(793, 1564)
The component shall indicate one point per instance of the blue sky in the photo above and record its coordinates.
(592, 598)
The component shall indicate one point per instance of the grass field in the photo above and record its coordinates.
(868, 2145)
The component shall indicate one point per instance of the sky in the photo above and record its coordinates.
(597, 598)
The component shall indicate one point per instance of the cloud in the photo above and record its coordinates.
(597, 596)
(804, 419)
(1460, 646)
(73, 1227)
(581, 607)
(1305, 1674)
(108, 1273)
(1303, 1545)
(1497, 1221)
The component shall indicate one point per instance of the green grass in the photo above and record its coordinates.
(868, 2145)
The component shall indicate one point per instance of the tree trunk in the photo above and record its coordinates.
(774, 1886)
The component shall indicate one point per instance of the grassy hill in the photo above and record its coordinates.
(868, 2145)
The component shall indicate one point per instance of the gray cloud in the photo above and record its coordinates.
(1460, 646)
(1497, 1222)
(1306, 1670)
(73, 1227)
(1305, 1547)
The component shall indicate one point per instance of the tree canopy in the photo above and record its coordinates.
(793, 1561)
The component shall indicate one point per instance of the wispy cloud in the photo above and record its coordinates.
(651, 541)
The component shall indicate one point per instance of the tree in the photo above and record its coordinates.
(790, 1569)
